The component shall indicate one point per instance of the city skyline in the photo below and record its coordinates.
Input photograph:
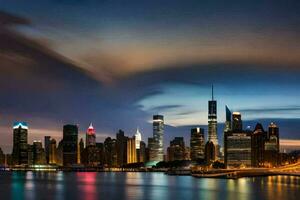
(110, 66)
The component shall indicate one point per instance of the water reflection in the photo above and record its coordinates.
(91, 186)
(86, 182)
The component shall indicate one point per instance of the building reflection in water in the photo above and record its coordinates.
(134, 185)
(18, 182)
(29, 185)
(86, 183)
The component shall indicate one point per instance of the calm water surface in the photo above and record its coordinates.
(90, 186)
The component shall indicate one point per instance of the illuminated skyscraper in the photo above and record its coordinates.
(131, 151)
(158, 134)
(80, 151)
(70, 143)
(237, 123)
(212, 120)
(52, 152)
(197, 144)
(237, 144)
(20, 137)
(138, 138)
(90, 136)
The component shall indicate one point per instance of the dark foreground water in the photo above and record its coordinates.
(90, 186)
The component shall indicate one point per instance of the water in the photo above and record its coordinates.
(90, 186)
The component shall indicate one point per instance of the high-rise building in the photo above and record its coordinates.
(272, 146)
(121, 148)
(80, 151)
(70, 142)
(30, 159)
(20, 144)
(151, 150)
(110, 152)
(90, 156)
(197, 144)
(273, 136)
(52, 152)
(237, 123)
(210, 152)
(39, 156)
(212, 120)
(101, 158)
(228, 119)
(176, 150)
(47, 141)
(258, 146)
(2, 158)
(59, 155)
(90, 136)
(158, 134)
(142, 152)
(237, 144)
(138, 138)
(131, 151)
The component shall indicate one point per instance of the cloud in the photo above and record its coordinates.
(286, 109)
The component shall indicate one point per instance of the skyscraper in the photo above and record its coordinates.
(47, 141)
(197, 144)
(52, 152)
(121, 147)
(39, 157)
(138, 138)
(258, 146)
(237, 123)
(110, 152)
(158, 134)
(210, 152)
(212, 119)
(80, 151)
(237, 144)
(20, 137)
(272, 146)
(131, 150)
(70, 142)
(176, 151)
(90, 136)
(228, 119)
(142, 152)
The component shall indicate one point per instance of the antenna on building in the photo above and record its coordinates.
(212, 92)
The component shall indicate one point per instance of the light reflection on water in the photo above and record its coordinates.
(92, 186)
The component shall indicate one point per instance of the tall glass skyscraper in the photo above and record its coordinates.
(197, 144)
(212, 119)
(20, 144)
(158, 134)
(228, 119)
(90, 136)
(70, 140)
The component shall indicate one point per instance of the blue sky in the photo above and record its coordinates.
(116, 64)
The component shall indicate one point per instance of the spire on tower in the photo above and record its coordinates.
(212, 92)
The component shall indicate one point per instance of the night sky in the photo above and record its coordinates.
(116, 63)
